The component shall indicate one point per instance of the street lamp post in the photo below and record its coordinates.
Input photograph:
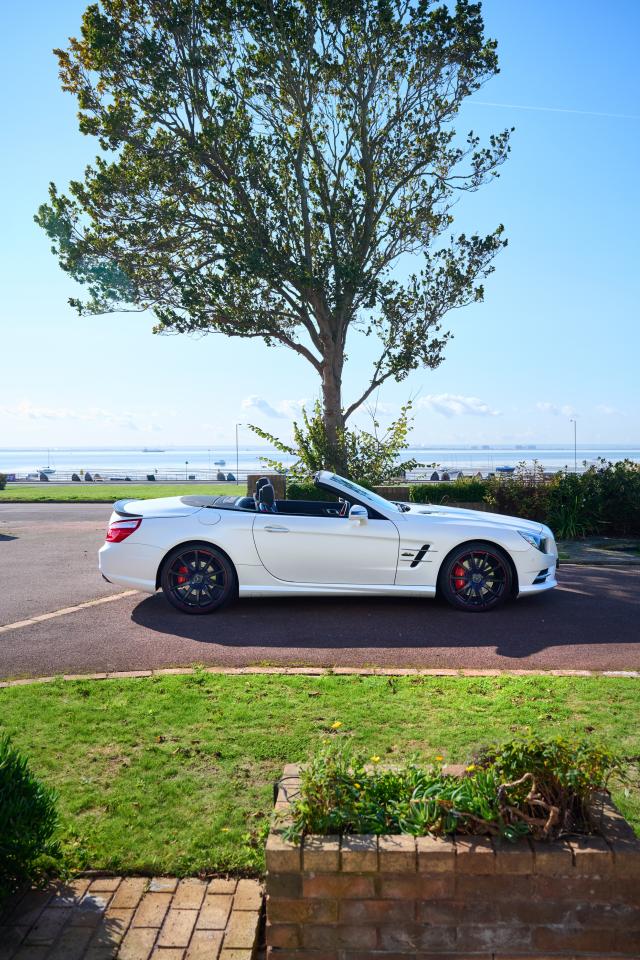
(575, 446)
(237, 454)
(186, 468)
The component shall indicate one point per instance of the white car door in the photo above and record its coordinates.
(327, 549)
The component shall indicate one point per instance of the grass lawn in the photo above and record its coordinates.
(174, 774)
(108, 492)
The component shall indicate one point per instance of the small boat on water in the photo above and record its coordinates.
(505, 469)
(152, 450)
(219, 463)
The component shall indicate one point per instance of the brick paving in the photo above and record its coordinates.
(134, 918)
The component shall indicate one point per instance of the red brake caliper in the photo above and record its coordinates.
(458, 573)
(182, 579)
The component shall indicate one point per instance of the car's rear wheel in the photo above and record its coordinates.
(476, 577)
(197, 578)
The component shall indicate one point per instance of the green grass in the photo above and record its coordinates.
(108, 492)
(174, 774)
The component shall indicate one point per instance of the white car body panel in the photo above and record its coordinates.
(277, 554)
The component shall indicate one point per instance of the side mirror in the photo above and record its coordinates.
(358, 514)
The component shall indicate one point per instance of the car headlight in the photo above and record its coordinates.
(534, 539)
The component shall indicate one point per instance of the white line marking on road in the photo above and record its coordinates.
(65, 610)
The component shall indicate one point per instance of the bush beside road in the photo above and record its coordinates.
(109, 492)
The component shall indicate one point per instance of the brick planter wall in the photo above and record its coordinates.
(429, 898)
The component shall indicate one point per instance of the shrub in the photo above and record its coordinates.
(524, 494)
(527, 786)
(462, 491)
(3, 481)
(28, 821)
(306, 490)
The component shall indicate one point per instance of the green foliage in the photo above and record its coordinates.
(368, 458)
(604, 499)
(531, 786)
(264, 169)
(461, 491)
(306, 490)
(28, 821)
(3, 481)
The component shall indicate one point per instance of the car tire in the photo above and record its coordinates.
(476, 577)
(197, 578)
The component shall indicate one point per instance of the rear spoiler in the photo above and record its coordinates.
(120, 507)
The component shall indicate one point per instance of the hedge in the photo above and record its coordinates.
(461, 491)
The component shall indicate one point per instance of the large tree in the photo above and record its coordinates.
(271, 169)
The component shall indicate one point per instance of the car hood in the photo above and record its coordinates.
(156, 508)
(444, 512)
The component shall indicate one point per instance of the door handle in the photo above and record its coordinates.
(277, 529)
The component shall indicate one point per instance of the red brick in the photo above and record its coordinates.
(513, 858)
(170, 953)
(493, 937)
(283, 935)
(105, 885)
(397, 854)
(287, 885)
(580, 889)
(626, 855)
(110, 932)
(405, 887)
(558, 939)
(343, 885)
(302, 911)
(450, 913)
(473, 887)
(137, 944)
(248, 895)
(151, 910)
(30, 906)
(321, 854)
(435, 854)
(592, 857)
(215, 912)
(301, 954)
(189, 894)
(71, 944)
(475, 855)
(90, 910)
(376, 911)
(534, 912)
(163, 885)
(627, 941)
(359, 854)
(282, 856)
(48, 925)
(411, 937)
(553, 859)
(70, 894)
(325, 936)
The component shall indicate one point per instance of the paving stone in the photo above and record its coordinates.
(189, 894)
(10, 940)
(48, 925)
(220, 885)
(177, 928)
(163, 885)
(242, 930)
(90, 910)
(105, 884)
(248, 895)
(129, 893)
(205, 945)
(72, 944)
(69, 894)
(151, 910)
(31, 952)
(31, 906)
(109, 934)
(215, 912)
(137, 944)
(168, 953)
(236, 955)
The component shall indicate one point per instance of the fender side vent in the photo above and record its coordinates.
(419, 555)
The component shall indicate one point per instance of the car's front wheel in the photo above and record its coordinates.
(476, 577)
(198, 578)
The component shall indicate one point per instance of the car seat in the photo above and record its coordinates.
(259, 484)
(267, 499)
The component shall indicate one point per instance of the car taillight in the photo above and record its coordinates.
(121, 529)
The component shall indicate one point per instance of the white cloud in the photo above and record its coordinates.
(283, 410)
(456, 405)
(607, 410)
(565, 410)
(27, 411)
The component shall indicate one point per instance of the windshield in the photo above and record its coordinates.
(367, 495)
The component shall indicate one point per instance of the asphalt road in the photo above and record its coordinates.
(48, 561)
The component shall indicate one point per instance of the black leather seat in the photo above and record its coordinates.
(267, 499)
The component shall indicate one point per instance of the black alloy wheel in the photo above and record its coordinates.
(197, 578)
(476, 577)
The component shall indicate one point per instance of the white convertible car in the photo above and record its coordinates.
(204, 550)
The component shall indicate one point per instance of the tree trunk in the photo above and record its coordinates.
(332, 413)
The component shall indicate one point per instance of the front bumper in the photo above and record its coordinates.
(536, 571)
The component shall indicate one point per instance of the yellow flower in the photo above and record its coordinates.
(336, 725)
(374, 759)
(357, 786)
(439, 758)
(470, 768)
(225, 829)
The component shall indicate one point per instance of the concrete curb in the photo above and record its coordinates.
(319, 672)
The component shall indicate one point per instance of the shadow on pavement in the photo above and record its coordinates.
(590, 606)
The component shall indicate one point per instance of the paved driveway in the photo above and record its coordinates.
(589, 622)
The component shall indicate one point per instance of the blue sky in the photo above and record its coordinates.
(558, 333)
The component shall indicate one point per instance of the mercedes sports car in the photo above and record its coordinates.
(204, 551)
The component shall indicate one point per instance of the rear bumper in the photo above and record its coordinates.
(130, 565)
